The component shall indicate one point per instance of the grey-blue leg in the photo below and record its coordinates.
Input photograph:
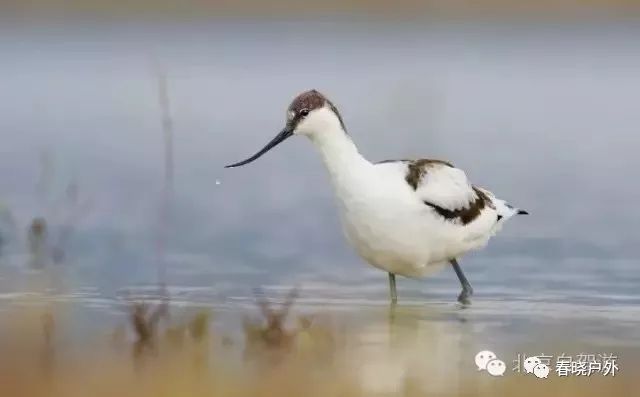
(467, 291)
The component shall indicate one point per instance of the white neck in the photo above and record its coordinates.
(341, 157)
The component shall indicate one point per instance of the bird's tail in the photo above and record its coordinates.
(505, 211)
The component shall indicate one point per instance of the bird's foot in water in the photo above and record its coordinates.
(465, 295)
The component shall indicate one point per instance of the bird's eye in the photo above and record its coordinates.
(304, 112)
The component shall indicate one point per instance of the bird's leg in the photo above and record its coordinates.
(467, 291)
(392, 288)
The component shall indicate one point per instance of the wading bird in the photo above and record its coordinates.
(401, 216)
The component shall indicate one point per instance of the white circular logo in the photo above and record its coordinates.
(496, 367)
(483, 358)
(541, 371)
(530, 363)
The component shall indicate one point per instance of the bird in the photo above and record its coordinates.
(405, 217)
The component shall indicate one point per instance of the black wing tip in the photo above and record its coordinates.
(522, 212)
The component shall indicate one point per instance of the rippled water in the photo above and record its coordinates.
(544, 115)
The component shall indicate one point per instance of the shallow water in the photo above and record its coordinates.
(544, 115)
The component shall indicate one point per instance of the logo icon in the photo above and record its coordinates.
(541, 371)
(487, 360)
(530, 363)
(497, 367)
(483, 357)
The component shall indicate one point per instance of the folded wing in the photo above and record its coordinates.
(446, 190)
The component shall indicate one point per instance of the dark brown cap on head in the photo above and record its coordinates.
(309, 101)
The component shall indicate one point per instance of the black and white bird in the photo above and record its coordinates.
(405, 217)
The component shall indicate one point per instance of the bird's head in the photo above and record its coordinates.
(310, 114)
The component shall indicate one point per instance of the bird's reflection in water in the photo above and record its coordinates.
(413, 348)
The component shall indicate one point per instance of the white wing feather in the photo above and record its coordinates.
(446, 187)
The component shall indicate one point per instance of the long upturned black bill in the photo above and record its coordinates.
(284, 134)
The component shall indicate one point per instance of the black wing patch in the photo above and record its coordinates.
(468, 214)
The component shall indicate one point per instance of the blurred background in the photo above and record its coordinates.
(116, 119)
